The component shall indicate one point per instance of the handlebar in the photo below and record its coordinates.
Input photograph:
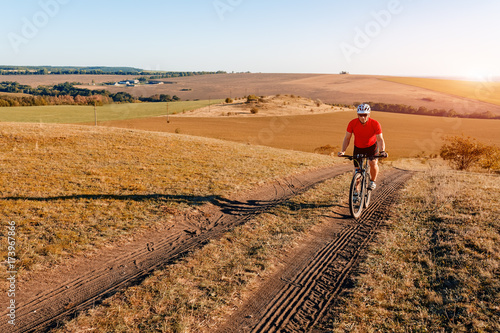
(352, 157)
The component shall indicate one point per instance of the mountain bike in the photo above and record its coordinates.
(359, 194)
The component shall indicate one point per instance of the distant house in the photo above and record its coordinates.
(127, 83)
(156, 82)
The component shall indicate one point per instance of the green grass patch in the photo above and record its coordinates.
(71, 114)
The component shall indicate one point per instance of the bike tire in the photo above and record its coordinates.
(356, 207)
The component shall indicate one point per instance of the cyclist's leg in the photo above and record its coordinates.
(374, 169)
(357, 181)
(357, 164)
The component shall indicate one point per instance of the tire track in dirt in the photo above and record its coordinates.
(295, 303)
(189, 232)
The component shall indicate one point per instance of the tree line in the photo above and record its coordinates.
(46, 70)
(67, 94)
(67, 88)
(6, 101)
(401, 108)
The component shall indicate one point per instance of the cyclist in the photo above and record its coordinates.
(368, 139)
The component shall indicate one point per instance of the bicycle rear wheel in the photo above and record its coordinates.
(356, 201)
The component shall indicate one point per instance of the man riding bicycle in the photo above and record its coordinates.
(368, 139)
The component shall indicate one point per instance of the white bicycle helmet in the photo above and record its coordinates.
(364, 109)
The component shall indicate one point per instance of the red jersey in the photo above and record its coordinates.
(365, 135)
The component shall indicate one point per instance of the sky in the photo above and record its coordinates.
(429, 38)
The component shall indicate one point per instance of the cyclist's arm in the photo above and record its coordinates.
(380, 142)
(345, 143)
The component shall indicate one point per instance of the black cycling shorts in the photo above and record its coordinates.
(369, 151)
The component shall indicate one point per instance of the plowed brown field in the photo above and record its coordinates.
(405, 135)
(329, 88)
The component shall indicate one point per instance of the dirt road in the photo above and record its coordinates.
(296, 298)
(64, 292)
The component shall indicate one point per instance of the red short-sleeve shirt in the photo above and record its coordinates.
(364, 135)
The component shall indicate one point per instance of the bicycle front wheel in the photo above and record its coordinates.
(356, 197)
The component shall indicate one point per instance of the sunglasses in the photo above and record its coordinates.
(362, 115)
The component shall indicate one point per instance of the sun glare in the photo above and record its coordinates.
(478, 75)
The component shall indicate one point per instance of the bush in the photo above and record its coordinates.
(254, 110)
(326, 150)
(229, 100)
(462, 153)
(252, 98)
(491, 158)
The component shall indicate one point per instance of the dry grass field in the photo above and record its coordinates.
(434, 267)
(75, 189)
(266, 106)
(196, 294)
